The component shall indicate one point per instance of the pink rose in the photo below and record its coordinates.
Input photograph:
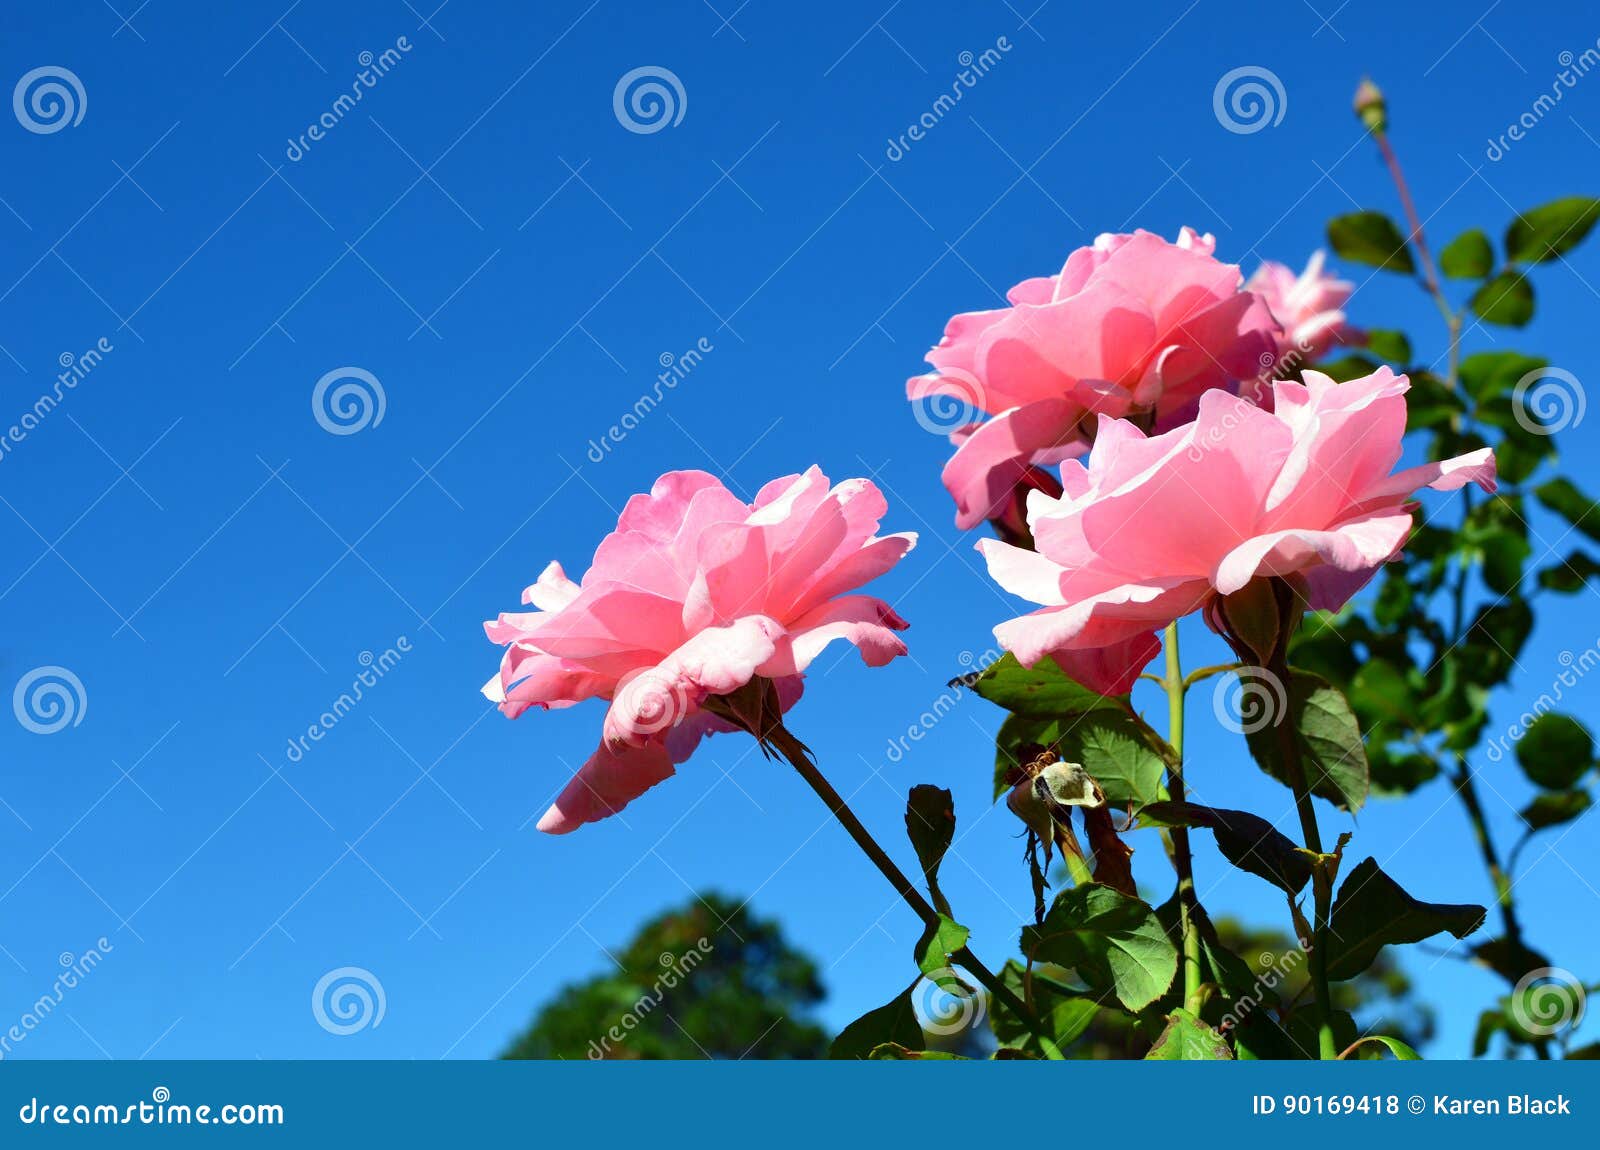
(1310, 308)
(1133, 326)
(1155, 527)
(695, 594)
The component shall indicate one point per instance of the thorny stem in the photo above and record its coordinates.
(1182, 858)
(1466, 788)
(795, 751)
(1321, 878)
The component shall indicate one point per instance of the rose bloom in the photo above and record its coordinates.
(1133, 326)
(695, 594)
(1154, 527)
(1310, 307)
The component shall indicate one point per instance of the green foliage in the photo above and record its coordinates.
(1556, 751)
(1371, 238)
(1248, 841)
(1043, 691)
(1373, 911)
(1114, 943)
(1545, 232)
(1467, 257)
(1327, 737)
(893, 1023)
(707, 980)
(1506, 299)
(1187, 1039)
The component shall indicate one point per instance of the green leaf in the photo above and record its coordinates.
(1569, 574)
(1555, 751)
(1486, 374)
(1348, 367)
(1467, 257)
(1390, 346)
(1248, 841)
(1123, 755)
(1507, 299)
(1564, 498)
(931, 825)
(1371, 238)
(1372, 911)
(1042, 691)
(1063, 1015)
(1553, 808)
(894, 1052)
(1430, 403)
(894, 1022)
(1187, 1039)
(1545, 232)
(1400, 1050)
(934, 948)
(1510, 960)
(1115, 943)
(1328, 738)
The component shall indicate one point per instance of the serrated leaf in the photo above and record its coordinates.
(1063, 1014)
(941, 940)
(1188, 1039)
(1371, 238)
(1467, 257)
(1042, 691)
(1373, 911)
(1123, 755)
(1328, 738)
(1544, 232)
(1248, 841)
(1114, 942)
(931, 826)
(1507, 300)
(894, 1022)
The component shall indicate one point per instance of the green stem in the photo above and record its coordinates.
(1182, 858)
(1321, 880)
(795, 751)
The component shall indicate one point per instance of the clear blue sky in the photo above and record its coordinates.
(485, 238)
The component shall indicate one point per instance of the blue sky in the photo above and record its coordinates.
(485, 237)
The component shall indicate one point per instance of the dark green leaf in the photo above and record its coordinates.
(1327, 737)
(1555, 751)
(1467, 257)
(1552, 808)
(1042, 691)
(1115, 943)
(1545, 232)
(1372, 911)
(1430, 403)
(1063, 1015)
(1564, 498)
(931, 824)
(1487, 374)
(1370, 238)
(1507, 299)
(1569, 574)
(894, 1022)
(1510, 960)
(1392, 347)
(1122, 754)
(1248, 841)
(1187, 1039)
